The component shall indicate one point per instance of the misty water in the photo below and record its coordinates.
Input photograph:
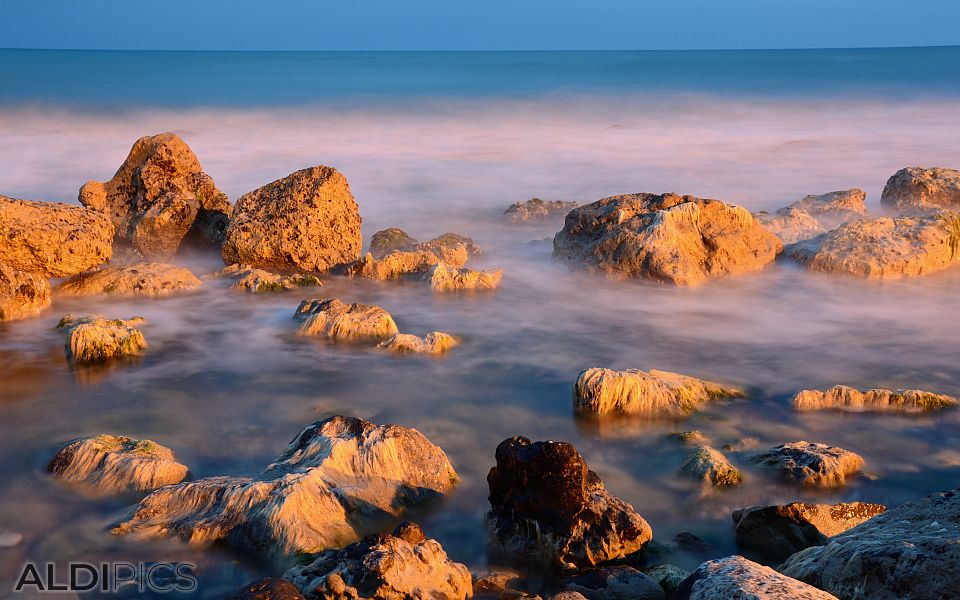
(444, 142)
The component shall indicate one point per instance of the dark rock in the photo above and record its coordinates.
(268, 588)
(616, 583)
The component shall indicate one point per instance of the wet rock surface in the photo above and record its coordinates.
(616, 583)
(22, 294)
(333, 318)
(841, 397)
(735, 577)
(710, 466)
(248, 279)
(920, 187)
(651, 393)
(811, 464)
(95, 338)
(435, 342)
(401, 263)
(447, 278)
(142, 279)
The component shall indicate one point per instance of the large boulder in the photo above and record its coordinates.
(677, 239)
(736, 578)
(335, 319)
(834, 208)
(923, 188)
(142, 279)
(775, 532)
(649, 393)
(159, 196)
(549, 507)
(338, 479)
(617, 582)
(435, 342)
(95, 338)
(52, 239)
(907, 553)
(307, 222)
(841, 397)
(811, 463)
(711, 467)
(791, 224)
(384, 567)
(22, 294)
(117, 464)
(536, 209)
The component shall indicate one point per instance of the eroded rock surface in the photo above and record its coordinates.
(255, 281)
(616, 583)
(536, 209)
(336, 319)
(834, 208)
(394, 239)
(791, 224)
(435, 342)
(841, 397)
(400, 263)
(447, 278)
(920, 187)
(669, 577)
(809, 463)
(710, 466)
(143, 279)
(736, 578)
(22, 294)
(95, 338)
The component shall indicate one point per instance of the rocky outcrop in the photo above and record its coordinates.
(650, 393)
(384, 567)
(711, 467)
(307, 222)
(919, 187)
(249, 279)
(790, 224)
(842, 397)
(834, 208)
(735, 577)
(268, 588)
(333, 482)
(52, 239)
(143, 279)
(22, 294)
(911, 552)
(95, 338)
(616, 583)
(393, 239)
(159, 196)
(681, 240)
(447, 278)
(775, 532)
(435, 342)
(400, 263)
(335, 319)
(117, 464)
(536, 209)
(883, 247)
(811, 464)
(549, 508)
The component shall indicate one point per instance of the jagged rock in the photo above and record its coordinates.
(536, 209)
(776, 532)
(809, 463)
(452, 240)
(736, 578)
(911, 551)
(693, 437)
(268, 588)
(791, 224)
(875, 400)
(616, 583)
(387, 240)
(335, 480)
(249, 279)
(435, 342)
(400, 263)
(711, 467)
(651, 393)
(143, 279)
(500, 585)
(158, 196)
(22, 294)
(385, 567)
(393, 239)
(52, 239)
(117, 464)
(834, 208)
(919, 187)
(883, 247)
(548, 507)
(307, 222)
(333, 318)
(681, 240)
(446, 278)
(95, 338)
(669, 577)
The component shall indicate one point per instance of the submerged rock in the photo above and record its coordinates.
(812, 464)
(791, 224)
(500, 585)
(22, 294)
(536, 209)
(385, 567)
(911, 551)
(401, 263)
(143, 279)
(735, 577)
(387, 240)
(268, 588)
(336, 480)
(776, 532)
(711, 467)
(447, 278)
(651, 393)
(834, 208)
(548, 507)
(52, 239)
(393, 239)
(95, 338)
(307, 222)
(668, 577)
(682, 240)
(694, 437)
(117, 464)
(616, 583)
(435, 342)
(875, 400)
(158, 196)
(333, 318)
(249, 279)
(919, 187)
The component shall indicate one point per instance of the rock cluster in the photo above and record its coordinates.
(394, 239)
(447, 278)
(710, 466)
(335, 319)
(614, 583)
(735, 577)
(255, 281)
(22, 294)
(923, 188)
(536, 209)
(811, 464)
(875, 400)
(400, 263)
(814, 214)
(143, 279)
(435, 342)
(95, 338)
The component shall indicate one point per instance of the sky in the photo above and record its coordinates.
(476, 24)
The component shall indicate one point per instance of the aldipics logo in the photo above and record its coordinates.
(106, 577)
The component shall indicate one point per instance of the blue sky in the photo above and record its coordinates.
(475, 25)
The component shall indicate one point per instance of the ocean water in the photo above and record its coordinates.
(435, 142)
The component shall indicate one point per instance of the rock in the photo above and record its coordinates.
(536, 209)
(307, 222)
(919, 187)
(446, 278)
(333, 318)
(694, 437)
(810, 463)
(616, 583)
(95, 338)
(452, 240)
(158, 196)
(650, 393)
(268, 588)
(502, 585)
(401, 263)
(735, 577)
(911, 551)
(776, 532)
(143, 279)
(386, 241)
(549, 508)
(52, 239)
(568, 596)
(742, 443)
(435, 342)
(386, 567)
(22, 294)
(875, 400)
(10, 539)
(681, 240)
(883, 247)
(834, 208)
(117, 464)
(253, 280)
(336, 480)
(791, 224)
(711, 467)
(669, 577)
(393, 239)
(693, 544)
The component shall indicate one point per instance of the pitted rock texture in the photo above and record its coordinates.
(335, 319)
(923, 188)
(22, 294)
(736, 578)
(841, 397)
(95, 338)
(811, 464)
(142, 279)
(651, 393)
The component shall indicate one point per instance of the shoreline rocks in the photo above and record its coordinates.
(22, 294)
(335, 319)
(811, 464)
(791, 224)
(142, 279)
(447, 278)
(615, 583)
(736, 577)
(834, 208)
(249, 279)
(536, 209)
(923, 188)
(435, 342)
(841, 397)
(395, 239)
(710, 466)
(400, 263)
(95, 338)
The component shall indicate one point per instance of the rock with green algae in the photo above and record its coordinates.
(335, 319)
(710, 466)
(842, 397)
(95, 338)
(256, 281)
